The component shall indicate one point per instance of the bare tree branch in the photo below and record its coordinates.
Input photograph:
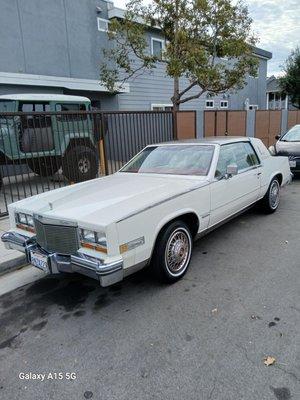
(195, 96)
(189, 87)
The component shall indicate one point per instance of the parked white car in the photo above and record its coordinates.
(150, 211)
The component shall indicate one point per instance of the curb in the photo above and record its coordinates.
(13, 264)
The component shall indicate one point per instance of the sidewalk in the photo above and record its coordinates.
(9, 259)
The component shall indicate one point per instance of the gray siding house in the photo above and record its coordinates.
(56, 47)
(276, 98)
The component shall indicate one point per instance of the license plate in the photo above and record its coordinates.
(293, 164)
(40, 261)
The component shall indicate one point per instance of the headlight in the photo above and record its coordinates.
(272, 150)
(25, 222)
(93, 240)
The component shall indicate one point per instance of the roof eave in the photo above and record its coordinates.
(78, 84)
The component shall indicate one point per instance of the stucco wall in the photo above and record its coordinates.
(57, 37)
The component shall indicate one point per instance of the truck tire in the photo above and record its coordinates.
(80, 164)
(44, 166)
(270, 202)
(172, 252)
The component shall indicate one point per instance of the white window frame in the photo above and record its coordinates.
(163, 44)
(160, 105)
(209, 107)
(102, 20)
(253, 107)
(223, 101)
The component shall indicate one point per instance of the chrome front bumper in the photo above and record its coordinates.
(106, 274)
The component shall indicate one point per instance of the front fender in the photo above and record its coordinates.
(174, 215)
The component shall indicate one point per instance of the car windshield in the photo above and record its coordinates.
(293, 135)
(172, 159)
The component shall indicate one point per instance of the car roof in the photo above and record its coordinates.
(219, 140)
(44, 97)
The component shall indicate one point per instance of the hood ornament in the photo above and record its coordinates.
(51, 206)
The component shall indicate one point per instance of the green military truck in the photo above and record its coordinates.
(48, 142)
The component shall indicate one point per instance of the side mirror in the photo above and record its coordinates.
(277, 137)
(231, 170)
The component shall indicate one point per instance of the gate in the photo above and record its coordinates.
(126, 133)
(218, 123)
(47, 150)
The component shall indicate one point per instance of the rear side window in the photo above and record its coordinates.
(33, 107)
(70, 107)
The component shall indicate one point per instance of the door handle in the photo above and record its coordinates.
(259, 173)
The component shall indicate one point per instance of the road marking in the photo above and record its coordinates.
(14, 280)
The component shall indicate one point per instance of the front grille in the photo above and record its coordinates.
(57, 238)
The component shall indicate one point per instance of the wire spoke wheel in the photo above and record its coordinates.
(178, 251)
(274, 194)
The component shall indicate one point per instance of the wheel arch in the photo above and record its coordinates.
(277, 175)
(85, 142)
(189, 217)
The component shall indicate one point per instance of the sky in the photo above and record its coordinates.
(276, 22)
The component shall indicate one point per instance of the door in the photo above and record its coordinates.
(230, 195)
(36, 129)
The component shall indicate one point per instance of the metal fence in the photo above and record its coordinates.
(46, 150)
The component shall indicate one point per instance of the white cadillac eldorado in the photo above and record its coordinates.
(149, 212)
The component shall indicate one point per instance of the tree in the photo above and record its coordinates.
(209, 42)
(290, 82)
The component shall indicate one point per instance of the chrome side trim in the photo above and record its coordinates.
(215, 226)
(158, 203)
(205, 215)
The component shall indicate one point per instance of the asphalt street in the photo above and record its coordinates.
(204, 337)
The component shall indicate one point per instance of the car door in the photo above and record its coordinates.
(230, 195)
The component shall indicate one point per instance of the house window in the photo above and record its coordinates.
(161, 107)
(209, 104)
(224, 104)
(157, 47)
(102, 24)
(253, 107)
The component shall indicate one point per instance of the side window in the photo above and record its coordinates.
(157, 47)
(26, 107)
(33, 107)
(245, 156)
(70, 107)
(242, 154)
(35, 121)
(251, 155)
(226, 157)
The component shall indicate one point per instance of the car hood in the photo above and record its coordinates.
(288, 148)
(105, 200)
